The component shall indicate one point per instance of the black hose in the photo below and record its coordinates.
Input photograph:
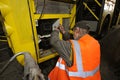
(42, 10)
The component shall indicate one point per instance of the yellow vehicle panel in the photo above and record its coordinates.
(19, 26)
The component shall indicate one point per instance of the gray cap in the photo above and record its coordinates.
(83, 24)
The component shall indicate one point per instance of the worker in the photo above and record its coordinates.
(79, 58)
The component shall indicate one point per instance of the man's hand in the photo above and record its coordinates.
(56, 28)
(61, 28)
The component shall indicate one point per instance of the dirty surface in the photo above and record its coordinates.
(110, 55)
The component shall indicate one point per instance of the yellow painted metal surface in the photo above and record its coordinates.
(98, 3)
(73, 16)
(19, 21)
(3, 40)
(85, 4)
(70, 16)
(42, 59)
(118, 20)
(52, 16)
(19, 26)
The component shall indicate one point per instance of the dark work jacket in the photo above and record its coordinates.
(62, 47)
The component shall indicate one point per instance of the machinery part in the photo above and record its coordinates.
(31, 69)
(105, 26)
(44, 30)
(110, 50)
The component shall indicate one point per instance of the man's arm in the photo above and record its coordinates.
(62, 47)
(66, 34)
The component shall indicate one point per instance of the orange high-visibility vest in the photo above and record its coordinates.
(86, 62)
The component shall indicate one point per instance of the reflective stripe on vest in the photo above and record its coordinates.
(61, 66)
(80, 72)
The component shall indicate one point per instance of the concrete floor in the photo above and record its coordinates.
(14, 71)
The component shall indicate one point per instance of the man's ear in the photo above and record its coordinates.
(78, 30)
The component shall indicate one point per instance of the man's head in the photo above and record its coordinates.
(81, 28)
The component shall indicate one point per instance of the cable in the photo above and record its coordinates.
(31, 68)
(6, 65)
(42, 10)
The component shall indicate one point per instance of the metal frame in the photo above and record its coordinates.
(21, 30)
(70, 16)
